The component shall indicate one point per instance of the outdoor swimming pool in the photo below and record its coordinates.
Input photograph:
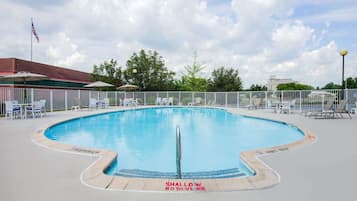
(145, 140)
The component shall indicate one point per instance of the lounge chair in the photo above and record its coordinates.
(341, 109)
(327, 111)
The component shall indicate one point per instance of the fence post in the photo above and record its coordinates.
(51, 100)
(179, 98)
(79, 97)
(89, 97)
(226, 99)
(193, 97)
(250, 98)
(300, 101)
(32, 95)
(215, 98)
(115, 99)
(238, 99)
(65, 100)
(266, 100)
(347, 104)
(205, 98)
(282, 97)
(144, 98)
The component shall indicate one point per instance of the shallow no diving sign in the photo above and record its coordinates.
(184, 186)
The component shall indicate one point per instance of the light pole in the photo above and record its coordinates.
(343, 53)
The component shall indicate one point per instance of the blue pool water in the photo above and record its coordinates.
(145, 139)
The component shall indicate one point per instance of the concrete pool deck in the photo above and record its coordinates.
(322, 171)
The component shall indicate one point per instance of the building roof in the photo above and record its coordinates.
(14, 65)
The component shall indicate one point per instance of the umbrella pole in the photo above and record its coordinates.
(25, 91)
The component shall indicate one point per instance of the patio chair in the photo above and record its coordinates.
(354, 109)
(34, 109)
(170, 101)
(106, 102)
(93, 103)
(256, 102)
(130, 102)
(287, 106)
(12, 109)
(158, 101)
(43, 106)
(164, 101)
(197, 101)
(341, 109)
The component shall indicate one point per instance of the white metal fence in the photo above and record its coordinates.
(60, 99)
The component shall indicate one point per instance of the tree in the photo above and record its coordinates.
(190, 81)
(331, 85)
(257, 87)
(294, 86)
(107, 72)
(191, 84)
(223, 79)
(148, 71)
(351, 83)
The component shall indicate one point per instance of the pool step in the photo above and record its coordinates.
(233, 172)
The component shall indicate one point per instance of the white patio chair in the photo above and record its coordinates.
(354, 109)
(164, 101)
(43, 106)
(106, 102)
(93, 103)
(34, 109)
(286, 107)
(158, 101)
(12, 109)
(170, 101)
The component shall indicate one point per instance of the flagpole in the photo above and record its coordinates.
(31, 39)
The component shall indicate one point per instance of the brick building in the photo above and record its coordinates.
(59, 78)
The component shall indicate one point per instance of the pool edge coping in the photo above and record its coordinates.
(93, 176)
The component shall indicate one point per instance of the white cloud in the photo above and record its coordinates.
(63, 52)
(256, 36)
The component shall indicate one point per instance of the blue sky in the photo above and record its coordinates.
(293, 39)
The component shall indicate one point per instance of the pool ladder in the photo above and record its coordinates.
(178, 152)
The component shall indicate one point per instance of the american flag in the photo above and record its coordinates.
(34, 32)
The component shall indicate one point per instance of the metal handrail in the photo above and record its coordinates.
(178, 152)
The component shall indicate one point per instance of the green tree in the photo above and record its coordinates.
(351, 83)
(148, 71)
(331, 85)
(191, 80)
(191, 84)
(257, 87)
(294, 86)
(223, 79)
(109, 72)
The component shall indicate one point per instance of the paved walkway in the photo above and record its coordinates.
(322, 171)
